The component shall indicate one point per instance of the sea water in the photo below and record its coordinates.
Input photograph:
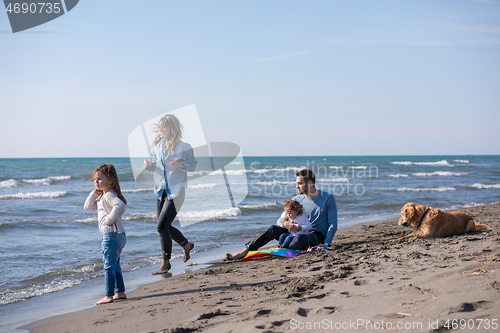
(49, 243)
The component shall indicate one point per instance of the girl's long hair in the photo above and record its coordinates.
(294, 205)
(174, 135)
(109, 171)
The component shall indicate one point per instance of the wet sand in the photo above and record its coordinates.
(364, 283)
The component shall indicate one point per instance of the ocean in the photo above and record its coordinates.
(49, 243)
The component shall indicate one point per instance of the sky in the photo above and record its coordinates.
(281, 77)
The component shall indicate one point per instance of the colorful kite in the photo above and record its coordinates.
(271, 253)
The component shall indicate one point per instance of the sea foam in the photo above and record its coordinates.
(438, 189)
(270, 183)
(139, 217)
(483, 186)
(197, 216)
(36, 195)
(46, 180)
(440, 173)
(217, 173)
(277, 169)
(212, 214)
(333, 180)
(8, 183)
(262, 205)
(202, 186)
(137, 190)
(439, 163)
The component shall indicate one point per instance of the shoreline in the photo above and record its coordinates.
(15, 315)
(18, 314)
(362, 277)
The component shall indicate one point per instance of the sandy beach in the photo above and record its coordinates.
(364, 283)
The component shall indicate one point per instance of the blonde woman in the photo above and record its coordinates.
(171, 159)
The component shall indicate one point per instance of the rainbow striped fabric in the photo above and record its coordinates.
(271, 253)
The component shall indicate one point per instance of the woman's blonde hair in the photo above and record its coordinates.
(174, 134)
(109, 171)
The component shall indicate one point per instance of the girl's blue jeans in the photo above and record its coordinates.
(285, 240)
(112, 245)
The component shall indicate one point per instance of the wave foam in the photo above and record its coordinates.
(139, 217)
(461, 161)
(439, 163)
(270, 183)
(438, 189)
(137, 190)
(261, 205)
(60, 178)
(36, 195)
(333, 180)
(198, 173)
(13, 295)
(474, 204)
(211, 214)
(398, 175)
(287, 169)
(202, 186)
(45, 181)
(217, 173)
(8, 183)
(64, 279)
(334, 167)
(87, 220)
(483, 186)
(440, 173)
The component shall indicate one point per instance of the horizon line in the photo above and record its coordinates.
(355, 155)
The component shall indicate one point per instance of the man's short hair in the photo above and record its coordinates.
(307, 175)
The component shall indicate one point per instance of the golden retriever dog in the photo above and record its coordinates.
(428, 222)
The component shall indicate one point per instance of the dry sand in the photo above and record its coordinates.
(364, 283)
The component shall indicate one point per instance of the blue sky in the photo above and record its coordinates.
(276, 77)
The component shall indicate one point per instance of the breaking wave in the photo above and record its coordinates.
(202, 186)
(398, 176)
(36, 195)
(8, 183)
(439, 163)
(440, 173)
(483, 186)
(46, 180)
(438, 189)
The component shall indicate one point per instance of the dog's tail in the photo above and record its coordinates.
(482, 227)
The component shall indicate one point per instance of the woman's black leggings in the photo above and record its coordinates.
(166, 211)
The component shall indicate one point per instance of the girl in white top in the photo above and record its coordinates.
(293, 212)
(109, 202)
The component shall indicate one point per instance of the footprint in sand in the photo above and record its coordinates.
(302, 312)
(262, 313)
(210, 315)
(469, 307)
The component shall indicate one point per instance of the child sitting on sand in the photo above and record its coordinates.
(109, 202)
(293, 212)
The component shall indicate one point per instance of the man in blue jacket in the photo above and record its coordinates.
(319, 207)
